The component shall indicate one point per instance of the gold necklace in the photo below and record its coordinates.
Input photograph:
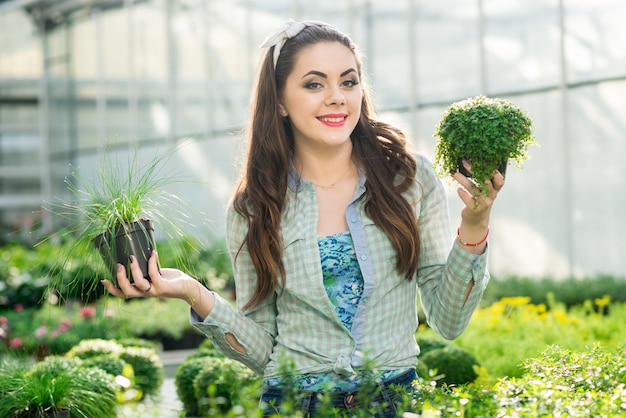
(332, 185)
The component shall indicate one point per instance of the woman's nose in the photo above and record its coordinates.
(335, 96)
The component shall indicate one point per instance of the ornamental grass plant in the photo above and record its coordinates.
(54, 385)
(117, 213)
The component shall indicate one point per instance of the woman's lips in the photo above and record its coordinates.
(333, 120)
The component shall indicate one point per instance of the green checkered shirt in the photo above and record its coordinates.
(300, 320)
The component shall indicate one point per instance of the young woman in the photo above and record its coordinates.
(332, 229)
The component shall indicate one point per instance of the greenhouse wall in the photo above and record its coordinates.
(156, 74)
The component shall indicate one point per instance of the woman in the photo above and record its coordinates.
(333, 227)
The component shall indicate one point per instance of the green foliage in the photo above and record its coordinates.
(168, 317)
(20, 283)
(454, 366)
(429, 344)
(146, 363)
(224, 383)
(95, 347)
(149, 373)
(206, 349)
(570, 292)
(138, 342)
(110, 363)
(209, 264)
(56, 383)
(12, 371)
(26, 272)
(123, 192)
(58, 328)
(506, 333)
(186, 372)
(485, 131)
(563, 382)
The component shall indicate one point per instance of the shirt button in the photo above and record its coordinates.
(353, 220)
(363, 257)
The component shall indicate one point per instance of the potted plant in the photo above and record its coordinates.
(116, 213)
(55, 387)
(486, 132)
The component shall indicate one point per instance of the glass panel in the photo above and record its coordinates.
(20, 55)
(596, 35)
(448, 59)
(521, 45)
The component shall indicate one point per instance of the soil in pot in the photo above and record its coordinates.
(136, 238)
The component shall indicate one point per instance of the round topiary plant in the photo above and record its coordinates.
(429, 344)
(186, 372)
(487, 132)
(95, 347)
(453, 364)
(148, 368)
(224, 383)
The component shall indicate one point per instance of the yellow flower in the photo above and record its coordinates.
(516, 300)
(603, 301)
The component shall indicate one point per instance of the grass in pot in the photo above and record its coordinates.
(117, 213)
(487, 132)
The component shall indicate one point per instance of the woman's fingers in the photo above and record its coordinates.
(140, 283)
(141, 287)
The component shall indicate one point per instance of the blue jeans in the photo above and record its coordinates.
(385, 399)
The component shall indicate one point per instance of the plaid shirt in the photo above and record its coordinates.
(300, 321)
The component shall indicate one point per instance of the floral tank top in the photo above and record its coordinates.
(344, 286)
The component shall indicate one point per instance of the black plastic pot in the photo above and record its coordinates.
(136, 238)
(49, 413)
(462, 170)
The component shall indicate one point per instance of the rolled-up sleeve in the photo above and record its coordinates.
(445, 269)
(254, 329)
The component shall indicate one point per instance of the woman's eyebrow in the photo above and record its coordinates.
(323, 75)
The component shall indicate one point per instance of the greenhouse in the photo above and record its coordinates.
(77, 77)
(86, 82)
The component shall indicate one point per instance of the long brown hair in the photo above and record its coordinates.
(378, 148)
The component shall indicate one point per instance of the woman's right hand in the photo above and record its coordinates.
(168, 283)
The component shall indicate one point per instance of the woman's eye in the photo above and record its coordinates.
(313, 85)
(350, 83)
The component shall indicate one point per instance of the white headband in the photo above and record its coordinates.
(288, 30)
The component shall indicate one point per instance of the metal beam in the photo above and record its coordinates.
(8, 5)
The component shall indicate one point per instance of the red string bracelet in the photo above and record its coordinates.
(458, 237)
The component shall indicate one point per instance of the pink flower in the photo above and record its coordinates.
(16, 343)
(66, 323)
(18, 307)
(41, 331)
(3, 320)
(87, 312)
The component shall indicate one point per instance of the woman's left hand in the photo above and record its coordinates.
(474, 228)
(478, 205)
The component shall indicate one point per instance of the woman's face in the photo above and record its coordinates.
(322, 96)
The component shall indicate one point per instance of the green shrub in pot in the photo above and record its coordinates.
(147, 366)
(454, 365)
(186, 372)
(224, 383)
(487, 132)
(57, 386)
